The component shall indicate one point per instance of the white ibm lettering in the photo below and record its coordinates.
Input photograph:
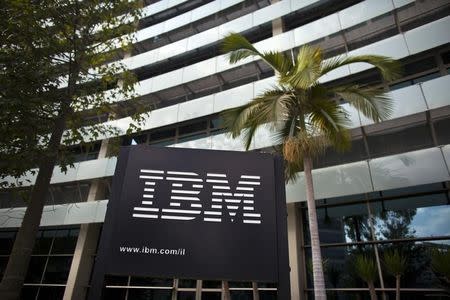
(224, 202)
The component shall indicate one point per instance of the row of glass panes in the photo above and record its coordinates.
(127, 287)
(412, 220)
(178, 133)
(50, 262)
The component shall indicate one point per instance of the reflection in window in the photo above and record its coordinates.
(413, 221)
(412, 217)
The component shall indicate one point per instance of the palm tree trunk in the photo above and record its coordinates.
(318, 276)
(226, 291)
(373, 294)
(16, 269)
(397, 287)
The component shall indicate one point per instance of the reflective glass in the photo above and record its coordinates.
(240, 284)
(43, 242)
(149, 294)
(187, 283)
(35, 269)
(412, 217)
(65, 241)
(339, 266)
(29, 292)
(241, 295)
(51, 292)
(6, 242)
(268, 295)
(57, 269)
(418, 272)
(186, 296)
(211, 296)
(116, 280)
(114, 294)
(212, 284)
(341, 224)
(146, 281)
(3, 263)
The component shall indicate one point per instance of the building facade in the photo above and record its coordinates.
(390, 191)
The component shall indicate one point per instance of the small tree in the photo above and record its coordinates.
(366, 268)
(395, 265)
(440, 263)
(305, 114)
(55, 64)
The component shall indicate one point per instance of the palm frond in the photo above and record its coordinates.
(373, 103)
(307, 68)
(236, 119)
(279, 61)
(389, 68)
(269, 107)
(366, 268)
(238, 47)
(395, 263)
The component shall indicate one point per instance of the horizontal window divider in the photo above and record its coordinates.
(370, 200)
(380, 289)
(392, 241)
(139, 287)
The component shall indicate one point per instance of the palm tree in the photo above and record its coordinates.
(396, 265)
(366, 268)
(305, 115)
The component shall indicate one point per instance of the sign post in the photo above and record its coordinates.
(198, 214)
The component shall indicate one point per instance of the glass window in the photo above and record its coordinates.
(43, 242)
(268, 295)
(186, 295)
(51, 292)
(332, 157)
(187, 283)
(6, 242)
(57, 269)
(239, 284)
(140, 139)
(144, 294)
(146, 281)
(400, 85)
(191, 128)
(339, 266)
(3, 263)
(341, 224)
(162, 134)
(35, 269)
(446, 57)
(29, 292)
(191, 137)
(426, 77)
(116, 280)
(216, 124)
(65, 241)
(212, 284)
(211, 295)
(241, 295)
(412, 217)
(418, 273)
(267, 285)
(114, 294)
(442, 133)
(399, 140)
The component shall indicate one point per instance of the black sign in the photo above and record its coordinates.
(185, 213)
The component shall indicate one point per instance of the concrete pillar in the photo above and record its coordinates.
(277, 24)
(293, 241)
(83, 258)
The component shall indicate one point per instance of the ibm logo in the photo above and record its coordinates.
(185, 202)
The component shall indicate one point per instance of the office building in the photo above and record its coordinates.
(390, 191)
